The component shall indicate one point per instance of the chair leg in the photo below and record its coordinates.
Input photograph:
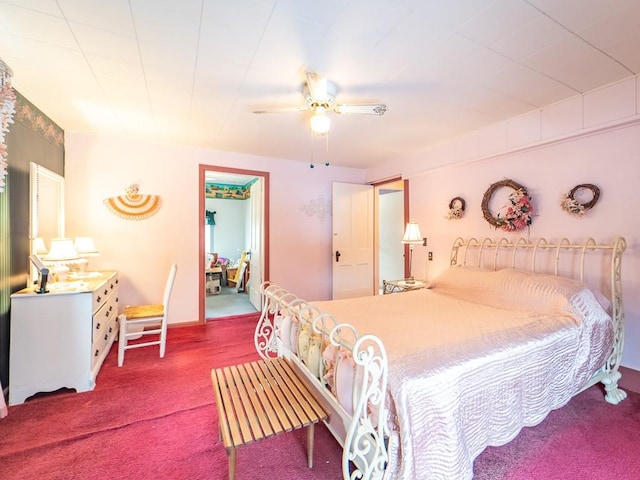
(163, 339)
(122, 340)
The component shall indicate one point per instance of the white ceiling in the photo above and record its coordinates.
(192, 71)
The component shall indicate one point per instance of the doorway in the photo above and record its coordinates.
(390, 222)
(234, 224)
(368, 228)
(391, 215)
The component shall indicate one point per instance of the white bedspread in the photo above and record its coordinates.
(477, 357)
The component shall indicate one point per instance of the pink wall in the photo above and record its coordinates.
(594, 138)
(101, 167)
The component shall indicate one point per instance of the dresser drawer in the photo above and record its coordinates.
(102, 294)
(104, 318)
(102, 340)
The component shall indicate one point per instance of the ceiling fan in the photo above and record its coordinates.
(320, 98)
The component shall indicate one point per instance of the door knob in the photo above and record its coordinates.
(338, 256)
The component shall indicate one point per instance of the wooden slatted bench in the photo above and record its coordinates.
(261, 399)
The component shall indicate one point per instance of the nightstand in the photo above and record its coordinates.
(396, 286)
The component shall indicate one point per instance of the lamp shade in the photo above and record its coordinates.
(412, 233)
(320, 123)
(85, 247)
(62, 250)
(39, 248)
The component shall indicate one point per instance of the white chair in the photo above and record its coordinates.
(137, 321)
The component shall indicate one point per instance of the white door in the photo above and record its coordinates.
(353, 239)
(256, 244)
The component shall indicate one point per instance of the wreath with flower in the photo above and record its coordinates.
(516, 214)
(456, 208)
(571, 205)
(7, 109)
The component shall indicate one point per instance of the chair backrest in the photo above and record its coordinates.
(239, 269)
(169, 286)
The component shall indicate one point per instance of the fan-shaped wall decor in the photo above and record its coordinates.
(133, 205)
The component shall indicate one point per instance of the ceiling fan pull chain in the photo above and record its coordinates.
(326, 163)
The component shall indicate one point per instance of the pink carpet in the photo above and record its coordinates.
(153, 419)
(156, 418)
(586, 439)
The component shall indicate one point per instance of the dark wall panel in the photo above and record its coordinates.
(33, 137)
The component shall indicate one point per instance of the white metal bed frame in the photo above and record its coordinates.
(364, 436)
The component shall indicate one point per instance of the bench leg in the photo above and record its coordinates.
(231, 455)
(310, 445)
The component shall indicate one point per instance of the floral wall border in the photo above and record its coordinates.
(29, 115)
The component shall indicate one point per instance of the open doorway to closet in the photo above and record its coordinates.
(392, 198)
(234, 253)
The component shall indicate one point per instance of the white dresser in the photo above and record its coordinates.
(60, 339)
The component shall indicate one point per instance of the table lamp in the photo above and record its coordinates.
(60, 256)
(411, 237)
(86, 249)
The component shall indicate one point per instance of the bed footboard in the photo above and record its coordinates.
(359, 423)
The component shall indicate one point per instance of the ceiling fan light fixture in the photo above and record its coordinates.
(320, 122)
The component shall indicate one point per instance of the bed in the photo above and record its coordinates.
(420, 382)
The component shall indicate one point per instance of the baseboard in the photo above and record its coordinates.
(630, 379)
(183, 324)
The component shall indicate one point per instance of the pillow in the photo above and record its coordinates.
(293, 337)
(516, 289)
(604, 302)
(314, 357)
(456, 278)
(304, 337)
(344, 376)
(283, 330)
(329, 356)
(347, 378)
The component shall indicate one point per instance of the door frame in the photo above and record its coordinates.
(202, 169)
(405, 189)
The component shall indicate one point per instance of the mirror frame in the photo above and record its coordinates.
(45, 182)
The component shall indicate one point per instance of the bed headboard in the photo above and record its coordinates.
(533, 251)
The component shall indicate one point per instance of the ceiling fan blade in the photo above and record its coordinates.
(318, 87)
(361, 109)
(281, 109)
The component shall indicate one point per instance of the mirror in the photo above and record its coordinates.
(47, 205)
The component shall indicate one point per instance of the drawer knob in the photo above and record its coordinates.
(106, 336)
(106, 291)
(98, 326)
(97, 353)
(98, 299)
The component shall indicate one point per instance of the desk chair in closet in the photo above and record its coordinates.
(137, 321)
